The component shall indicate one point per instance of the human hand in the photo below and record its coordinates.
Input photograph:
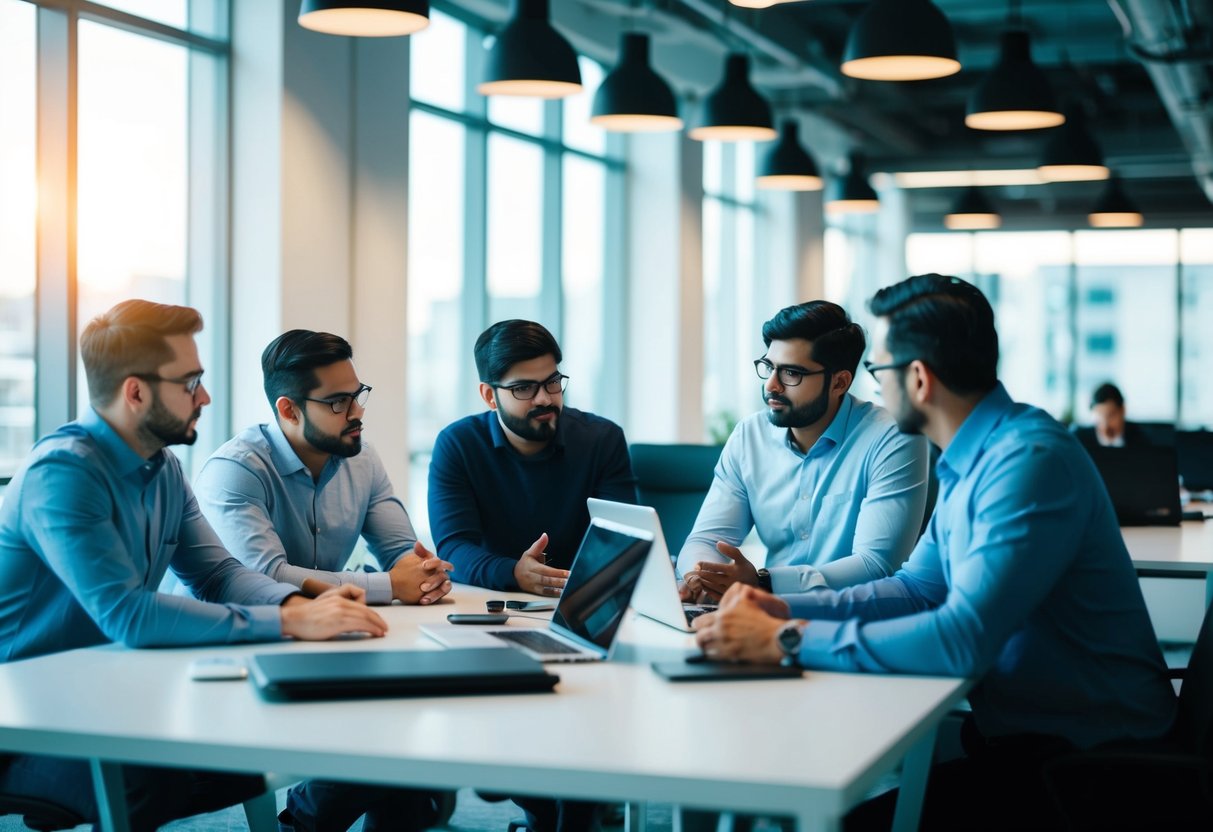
(339, 610)
(716, 578)
(420, 577)
(744, 628)
(534, 575)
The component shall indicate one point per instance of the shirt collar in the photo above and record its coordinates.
(832, 436)
(114, 447)
(284, 457)
(963, 452)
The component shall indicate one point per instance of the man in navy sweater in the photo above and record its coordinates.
(508, 486)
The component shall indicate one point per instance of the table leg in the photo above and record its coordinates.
(816, 823)
(635, 818)
(110, 793)
(914, 773)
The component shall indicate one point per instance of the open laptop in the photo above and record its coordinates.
(656, 595)
(1143, 483)
(591, 608)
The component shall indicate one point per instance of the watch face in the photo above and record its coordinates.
(789, 638)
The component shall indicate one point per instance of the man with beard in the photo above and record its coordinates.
(835, 492)
(291, 498)
(1021, 581)
(508, 486)
(97, 514)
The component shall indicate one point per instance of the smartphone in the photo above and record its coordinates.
(530, 606)
(477, 618)
(217, 669)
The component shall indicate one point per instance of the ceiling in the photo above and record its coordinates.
(1140, 69)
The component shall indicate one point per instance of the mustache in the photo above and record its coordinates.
(775, 397)
(542, 411)
(355, 425)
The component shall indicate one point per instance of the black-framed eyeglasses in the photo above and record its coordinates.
(876, 368)
(191, 382)
(340, 402)
(524, 391)
(788, 376)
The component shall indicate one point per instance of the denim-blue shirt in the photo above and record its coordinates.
(847, 511)
(88, 529)
(1021, 581)
(276, 519)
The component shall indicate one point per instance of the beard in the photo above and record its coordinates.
(798, 417)
(521, 425)
(337, 445)
(908, 419)
(163, 428)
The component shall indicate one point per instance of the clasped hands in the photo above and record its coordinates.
(709, 580)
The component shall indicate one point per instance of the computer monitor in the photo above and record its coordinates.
(1143, 483)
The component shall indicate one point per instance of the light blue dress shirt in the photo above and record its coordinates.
(275, 518)
(87, 530)
(1022, 580)
(847, 511)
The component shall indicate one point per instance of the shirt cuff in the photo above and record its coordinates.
(817, 640)
(378, 587)
(265, 622)
(790, 580)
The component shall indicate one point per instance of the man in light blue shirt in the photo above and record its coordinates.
(1021, 580)
(90, 524)
(834, 490)
(290, 499)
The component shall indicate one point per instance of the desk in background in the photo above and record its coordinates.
(1183, 550)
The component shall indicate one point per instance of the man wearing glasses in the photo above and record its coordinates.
(835, 492)
(508, 486)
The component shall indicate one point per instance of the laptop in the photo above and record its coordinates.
(294, 676)
(591, 608)
(656, 595)
(1143, 483)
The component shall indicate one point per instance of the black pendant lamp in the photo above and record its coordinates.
(851, 194)
(787, 166)
(1071, 153)
(1114, 209)
(900, 40)
(365, 18)
(759, 4)
(530, 58)
(632, 98)
(734, 111)
(1015, 94)
(972, 212)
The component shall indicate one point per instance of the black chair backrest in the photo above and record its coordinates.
(1161, 434)
(1194, 723)
(674, 479)
(1195, 449)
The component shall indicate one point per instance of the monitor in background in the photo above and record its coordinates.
(1143, 483)
(1195, 449)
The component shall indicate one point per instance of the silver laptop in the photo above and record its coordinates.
(656, 595)
(591, 608)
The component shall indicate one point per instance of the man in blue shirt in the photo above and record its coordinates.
(92, 521)
(508, 489)
(291, 498)
(1021, 580)
(834, 490)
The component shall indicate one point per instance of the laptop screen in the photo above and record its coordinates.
(601, 582)
(1143, 483)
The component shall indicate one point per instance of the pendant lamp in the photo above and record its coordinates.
(1071, 153)
(972, 212)
(365, 18)
(1114, 209)
(632, 98)
(787, 166)
(1014, 94)
(734, 111)
(851, 194)
(530, 58)
(900, 40)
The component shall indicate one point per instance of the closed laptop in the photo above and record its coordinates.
(1143, 483)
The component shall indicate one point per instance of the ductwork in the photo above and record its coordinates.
(1173, 43)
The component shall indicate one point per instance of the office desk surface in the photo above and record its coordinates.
(613, 730)
(1187, 547)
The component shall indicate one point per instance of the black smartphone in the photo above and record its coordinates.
(477, 618)
(530, 606)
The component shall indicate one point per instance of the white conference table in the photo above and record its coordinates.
(613, 731)
(1187, 548)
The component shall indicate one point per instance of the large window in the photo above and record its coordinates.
(513, 208)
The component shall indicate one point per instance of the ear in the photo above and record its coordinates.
(286, 410)
(841, 382)
(134, 394)
(920, 382)
(487, 393)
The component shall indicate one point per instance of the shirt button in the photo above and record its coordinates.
(804, 536)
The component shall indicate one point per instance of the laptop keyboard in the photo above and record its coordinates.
(536, 641)
(694, 612)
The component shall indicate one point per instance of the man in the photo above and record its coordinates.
(291, 498)
(1021, 580)
(835, 491)
(508, 486)
(91, 522)
(508, 489)
(1111, 429)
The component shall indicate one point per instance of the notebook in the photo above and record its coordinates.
(656, 595)
(291, 676)
(591, 608)
(1143, 483)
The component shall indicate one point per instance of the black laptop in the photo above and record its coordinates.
(293, 676)
(1143, 483)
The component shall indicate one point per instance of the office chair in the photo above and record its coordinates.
(1166, 784)
(40, 815)
(674, 479)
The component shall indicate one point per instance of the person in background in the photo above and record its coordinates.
(1111, 428)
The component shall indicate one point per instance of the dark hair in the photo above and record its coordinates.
(947, 324)
(838, 342)
(129, 340)
(289, 363)
(1108, 392)
(505, 343)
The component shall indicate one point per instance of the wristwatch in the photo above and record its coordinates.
(789, 638)
(764, 580)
